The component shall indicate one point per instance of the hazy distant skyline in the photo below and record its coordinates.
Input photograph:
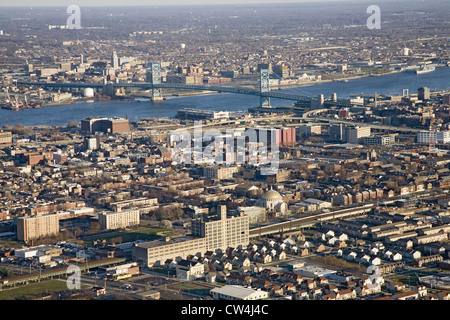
(61, 3)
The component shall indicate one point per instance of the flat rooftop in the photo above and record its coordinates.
(156, 243)
(234, 291)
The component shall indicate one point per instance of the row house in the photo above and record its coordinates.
(346, 294)
(435, 258)
(291, 277)
(395, 286)
(365, 290)
(408, 295)
(430, 238)
(237, 279)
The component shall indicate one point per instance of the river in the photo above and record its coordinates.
(61, 115)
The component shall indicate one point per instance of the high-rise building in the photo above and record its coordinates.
(37, 226)
(220, 232)
(424, 93)
(92, 143)
(114, 60)
(208, 234)
(309, 129)
(262, 66)
(336, 132)
(281, 71)
(276, 136)
(354, 134)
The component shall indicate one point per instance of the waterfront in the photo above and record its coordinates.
(61, 115)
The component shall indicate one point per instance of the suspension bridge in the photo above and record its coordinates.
(156, 86)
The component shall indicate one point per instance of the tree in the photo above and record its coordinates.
(72, 124)
(5, 272)
(166, 224)
(21, 130)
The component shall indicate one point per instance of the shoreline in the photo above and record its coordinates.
(183, 93)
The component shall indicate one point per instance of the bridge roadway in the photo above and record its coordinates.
(146, 86)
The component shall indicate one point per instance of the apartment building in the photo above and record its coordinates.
(218, 232)
(216, 172)
(37, 226)
(355, 134)
(427, 137)
(382, 140)
(118, 220)
(5, 137)
(222, 232)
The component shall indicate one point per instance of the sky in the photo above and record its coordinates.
(59, 3)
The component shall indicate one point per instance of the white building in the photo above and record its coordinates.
(255, 214)
(189, 270)
(273, 202)
(354, 134)
(427, 137)
(118, 220)
(382, 140)
(234, 292)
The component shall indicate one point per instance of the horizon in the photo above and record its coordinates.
(167, 3)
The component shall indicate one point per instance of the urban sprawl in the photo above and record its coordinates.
(301, 202)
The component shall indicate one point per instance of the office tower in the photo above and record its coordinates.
(114, 60)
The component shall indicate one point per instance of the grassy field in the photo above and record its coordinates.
(165, 271)
(192, 287)
(410, 279)
(33, 290)
(11, 244)
(147, 234)
(340, 263)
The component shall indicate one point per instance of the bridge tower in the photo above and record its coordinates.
(264, 78)
(156, 79)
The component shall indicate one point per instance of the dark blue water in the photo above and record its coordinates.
(61, 115)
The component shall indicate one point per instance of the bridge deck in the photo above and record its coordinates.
(148, 86)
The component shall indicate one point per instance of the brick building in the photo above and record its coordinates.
(105, 125)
